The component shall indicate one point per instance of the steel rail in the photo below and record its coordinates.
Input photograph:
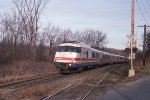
(68, 87)
(50, 79)
(100, 81)
(25, 80)
(45, 98)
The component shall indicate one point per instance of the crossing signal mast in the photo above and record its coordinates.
(132, 41)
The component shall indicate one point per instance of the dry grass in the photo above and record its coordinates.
(34, 92)
(140, 70)
(147, 68)
(46, 88)
(24, 69)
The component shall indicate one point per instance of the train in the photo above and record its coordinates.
(72, 57)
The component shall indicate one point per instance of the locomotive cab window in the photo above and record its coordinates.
(68, 49)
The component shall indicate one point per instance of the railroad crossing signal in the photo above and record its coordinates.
(133, 56)
(132, 44)
(131, 39)
(131, 48)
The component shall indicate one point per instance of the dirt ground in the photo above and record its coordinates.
(140, 70)
(117, 76)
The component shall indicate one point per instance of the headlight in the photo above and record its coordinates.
(69, 64)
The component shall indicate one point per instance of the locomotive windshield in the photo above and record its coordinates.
(68, 49)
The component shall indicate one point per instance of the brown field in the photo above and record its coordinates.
(24, 69)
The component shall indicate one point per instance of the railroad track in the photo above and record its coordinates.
(24, 81)
(23, 84)
(74, 85)
(100, 81)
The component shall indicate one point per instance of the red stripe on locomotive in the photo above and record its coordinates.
(76, 59)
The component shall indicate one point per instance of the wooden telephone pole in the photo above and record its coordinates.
(131, 71)
(144, 42)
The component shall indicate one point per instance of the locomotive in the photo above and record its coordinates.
(72, 57)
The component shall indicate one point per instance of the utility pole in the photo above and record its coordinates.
(132, 39)
(144, 42)
(132, 18)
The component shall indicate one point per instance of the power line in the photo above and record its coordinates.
(141, 11)
(148, 2)
(145, 8)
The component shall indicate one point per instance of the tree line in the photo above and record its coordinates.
(148, 44)
(21, 37)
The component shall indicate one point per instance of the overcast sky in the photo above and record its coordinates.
(109, 16)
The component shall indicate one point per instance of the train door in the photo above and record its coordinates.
(101, 58)
(87, 54)
(84, 54)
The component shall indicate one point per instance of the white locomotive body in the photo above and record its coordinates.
(77, 56)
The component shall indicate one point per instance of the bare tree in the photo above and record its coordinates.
(66, 35)
(95, 38)
(100, 39)
(30, 11)
(77, 36)
(50, 36)
(10, 28)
